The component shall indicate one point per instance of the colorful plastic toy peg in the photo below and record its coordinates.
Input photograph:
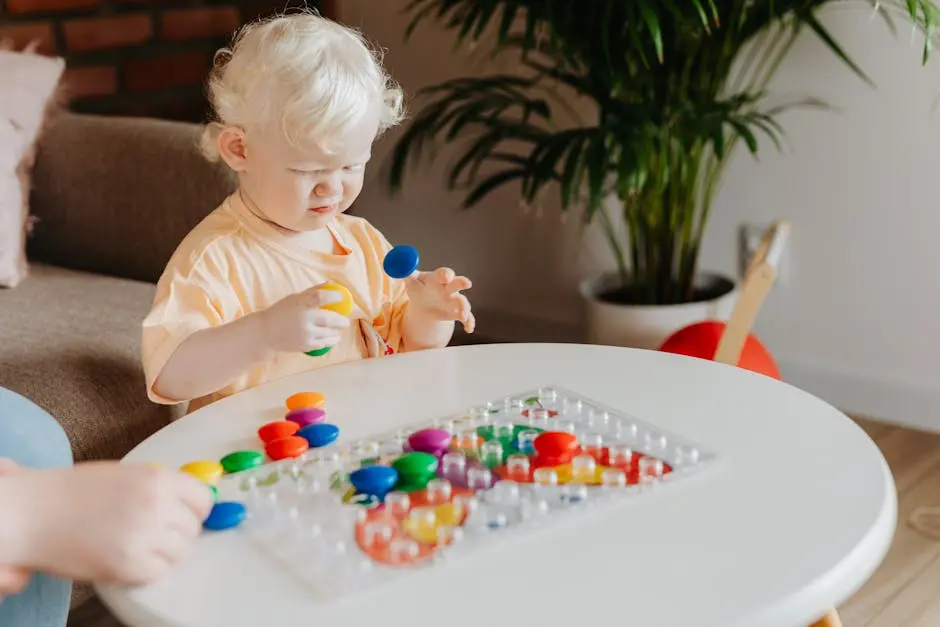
(433, 441)
(206, 471)
(416, 465)
(277, 429)
(401, 262)
(287, 447)
(304, 399)
(306, 416)
(224, 515)
(343, 307)
(374, 480)
(241, 460)
(414, 470)
(319, 434)
(555, 447)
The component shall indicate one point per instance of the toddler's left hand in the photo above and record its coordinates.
(438, 294)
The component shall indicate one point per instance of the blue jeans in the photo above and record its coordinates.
(34, 439)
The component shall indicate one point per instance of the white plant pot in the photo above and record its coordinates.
(647, 326)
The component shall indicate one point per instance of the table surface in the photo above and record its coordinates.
(795, 517)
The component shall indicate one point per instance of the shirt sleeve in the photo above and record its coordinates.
(184, 303)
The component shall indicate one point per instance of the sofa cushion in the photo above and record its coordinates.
(116, 195)
(70, 342)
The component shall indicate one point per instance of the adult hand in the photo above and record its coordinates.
(12, 578)
(108, 521)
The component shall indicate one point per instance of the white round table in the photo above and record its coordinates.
(796, 517)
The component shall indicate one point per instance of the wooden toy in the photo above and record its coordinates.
(732, 342)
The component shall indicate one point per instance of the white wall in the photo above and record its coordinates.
(857, 185)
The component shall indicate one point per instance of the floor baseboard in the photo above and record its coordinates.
(893, 402)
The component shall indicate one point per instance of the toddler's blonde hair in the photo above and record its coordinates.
(301, 74)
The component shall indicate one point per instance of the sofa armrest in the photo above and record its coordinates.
(116, 195)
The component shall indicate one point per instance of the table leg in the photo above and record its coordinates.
(831, 619)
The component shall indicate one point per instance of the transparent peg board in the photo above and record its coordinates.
(349, 516)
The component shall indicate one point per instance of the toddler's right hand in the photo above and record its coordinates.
(296, 323)
(109, 522)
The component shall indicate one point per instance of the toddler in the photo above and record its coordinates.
(299, 101)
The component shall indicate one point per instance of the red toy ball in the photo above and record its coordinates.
(701, 340)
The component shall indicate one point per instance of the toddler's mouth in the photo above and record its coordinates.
(322, 210)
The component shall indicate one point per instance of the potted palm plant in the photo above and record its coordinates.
(674, 88)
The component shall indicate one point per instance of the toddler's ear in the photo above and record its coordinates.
(232, 148)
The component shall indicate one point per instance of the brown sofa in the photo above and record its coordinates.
(113, 198)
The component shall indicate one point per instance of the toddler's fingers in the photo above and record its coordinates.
(469, 323)
(457, 284)
(462, 312)
(444, 275)
(326, 319)
(319, 333)
(317, 297)
(329, 297)
(463, 307)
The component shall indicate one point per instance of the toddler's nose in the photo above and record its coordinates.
(329, 187)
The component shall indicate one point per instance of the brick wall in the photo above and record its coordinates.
(133, 57)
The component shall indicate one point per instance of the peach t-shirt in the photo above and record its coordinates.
(233, 263)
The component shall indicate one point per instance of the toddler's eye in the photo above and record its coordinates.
(354, 168)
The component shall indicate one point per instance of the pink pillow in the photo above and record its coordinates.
(29, 84)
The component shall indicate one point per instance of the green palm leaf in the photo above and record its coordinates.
(670, 109)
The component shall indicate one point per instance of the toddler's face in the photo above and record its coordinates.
(302, 192)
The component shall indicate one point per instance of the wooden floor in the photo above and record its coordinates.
(903, 592)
